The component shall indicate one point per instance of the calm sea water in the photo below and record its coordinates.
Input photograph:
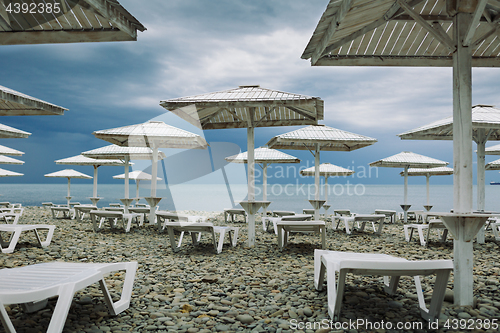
(362, 198)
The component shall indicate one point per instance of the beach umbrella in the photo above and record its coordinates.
(408, 160)
(83, 160)
(14, 103)
(137, 175)
(485, 127)
(439, 171)
(407, 33)
(247, 107)
(7, 173)
(68, 22)
(68, 173)
(126, 154)
(9, 160)
(152, 134)
(7, 132)
(9, 151)
(316, 138)
(264, 156)
(327, 170)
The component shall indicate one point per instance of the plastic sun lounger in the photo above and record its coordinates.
(67, 212)
(360, 219)
(432, 224)
(34, 284)
(275, 220)
(81, 210)
(202, 227)
(285, 227)
(164, 217)
(231, 213)
(113, 217)
(16, 230)
(340, 263)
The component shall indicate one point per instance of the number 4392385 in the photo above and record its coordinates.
(33, 8)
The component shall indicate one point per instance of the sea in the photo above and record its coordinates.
(216, 197)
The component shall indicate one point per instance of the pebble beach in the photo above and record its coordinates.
(258, 289)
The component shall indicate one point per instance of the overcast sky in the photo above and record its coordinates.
(198, 46)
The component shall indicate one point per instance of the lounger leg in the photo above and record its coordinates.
(14, 238)
(437, 296)
(319, 269)
(66, 293)
(94, 222)
(362, 226)
(280, 238)
(445, 234)
(171, 236)
(335, 291)
(7, 323)
(222, 234)
(346, 223)
(423, 241)
(234, 238)
(391, 285)
(408, 234)
(380, 226)
(494, 228)
(194, 237)
(123, 303)
(48, 239)
(428, 236)
(129, 222)
(180, 239)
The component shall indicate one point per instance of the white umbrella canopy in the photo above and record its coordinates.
(7, 132)
(494, 165)
(7, 173)
(68, 173)
(316, 138)
(10, 151)
(264, 156)
(439, 171)
(152, 134)
(493, 150)
(485, 127)
(247, 106)
(84, 160)
(9, 160)
(126, 154)
(327, 170)
(137, 175)
(408, 160)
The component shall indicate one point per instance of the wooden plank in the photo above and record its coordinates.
(471, 30)
(106, 10)
(82, 18)
(406, 61)
(50, 37)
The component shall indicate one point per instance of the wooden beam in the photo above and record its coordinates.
(433, 30)
(480, 39)
(53, 37)
(332, 28)
(106, 10)
(4, 17)
(405, 61)
(471, 30)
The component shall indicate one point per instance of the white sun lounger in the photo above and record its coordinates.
(164, 217)
(34, 284)
(16, 230)
(360, 220)
(285, 227)
(202, 227)
(81, 210)
(275, 220)
(67, 212)
(340, 263)
(432, 224)
(113, 217)
(231, 213)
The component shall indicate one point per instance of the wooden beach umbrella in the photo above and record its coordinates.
(316, 138)
(327, 170)
(126, 154)
(155, 135)
(7, 132)
(408, 160)
(67, 22)
(83, 160)
(444, 33)
(68, 173)
(10, 151)
(485, 127)
(9, 160)
(137, 175)
(14, 103)
(7, 173)
(439, 171)
(264, 156)
(247, 107)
